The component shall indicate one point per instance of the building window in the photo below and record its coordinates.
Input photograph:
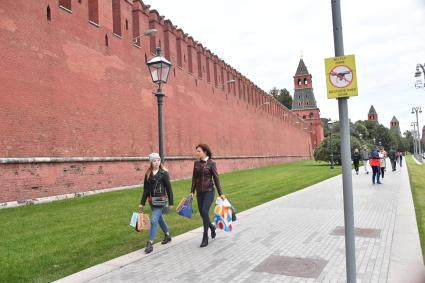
(189, 58)
(179, 52)
(116, 17)
(65, 4)
(106, 40)
(208, 70)
(199, 65)
(136, 32)
(305, 81)
(49, 13)
(93, 11)
(126, 24)
(299, 81)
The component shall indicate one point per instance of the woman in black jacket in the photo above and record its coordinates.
(205, 176)
(156, 189)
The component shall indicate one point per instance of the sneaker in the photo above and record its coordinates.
(167, 239)
(378, 182)
(149, 247)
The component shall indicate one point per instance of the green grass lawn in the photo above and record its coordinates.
(41, 243)
(417, 183)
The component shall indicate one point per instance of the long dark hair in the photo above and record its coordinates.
(205, 148)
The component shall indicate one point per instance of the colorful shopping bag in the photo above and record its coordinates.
(186, 209)
(143, 222)
(223, 215)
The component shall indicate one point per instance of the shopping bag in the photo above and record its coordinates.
(143, 222)
(133, 220)
(179, 207)
(223, 215)
(186, 208)
(233, 212)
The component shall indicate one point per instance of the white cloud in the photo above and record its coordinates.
(263, 40)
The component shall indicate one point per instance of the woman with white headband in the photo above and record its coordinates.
(157, 189)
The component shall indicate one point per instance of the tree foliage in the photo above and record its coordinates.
(283, 96)
(362, 133)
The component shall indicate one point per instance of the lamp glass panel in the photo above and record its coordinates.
(165, 71)
(155, 72)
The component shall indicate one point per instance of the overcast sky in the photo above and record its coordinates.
(264, 40)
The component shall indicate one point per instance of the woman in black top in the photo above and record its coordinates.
(156, 189)
(204, 178)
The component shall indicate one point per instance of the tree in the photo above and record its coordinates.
(285, 98)
(369, 130)
(282, 95)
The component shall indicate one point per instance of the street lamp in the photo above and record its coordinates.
(417, 110)
(413, 124)
(159, 67)
(149, 32)
(419, 83)
(330, 124)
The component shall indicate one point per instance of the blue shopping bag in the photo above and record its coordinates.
(186, 209)
(133, 220)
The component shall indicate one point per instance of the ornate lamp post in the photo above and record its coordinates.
(330, 124)
(419, 83)
(415, 151)
(417, 110)
(159, 67)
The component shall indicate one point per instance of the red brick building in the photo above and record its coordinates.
(78, 111)
(304, 104)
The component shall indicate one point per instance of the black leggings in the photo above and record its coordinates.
(205, 200)
(382, 171)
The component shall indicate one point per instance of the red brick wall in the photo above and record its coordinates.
(66, 94)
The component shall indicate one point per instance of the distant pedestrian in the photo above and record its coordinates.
(401, 158)
(356, 159)
(205, 176)
(375, 164)
(365, 157)
(157, 189)
(382, 161)
(393, 157)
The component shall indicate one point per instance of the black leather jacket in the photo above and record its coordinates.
(162, 181)
(204, 173)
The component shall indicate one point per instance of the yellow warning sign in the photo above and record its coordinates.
(341, 78)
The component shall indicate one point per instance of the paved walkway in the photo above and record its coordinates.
(296, 238)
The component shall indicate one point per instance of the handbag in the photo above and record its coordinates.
(143, 222)
(186, 208)
(158, 201)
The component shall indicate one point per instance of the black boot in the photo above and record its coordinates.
(213, 234)
(204, 241)
(167, 239)
(149, 247)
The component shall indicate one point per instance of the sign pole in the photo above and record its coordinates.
(350, 256)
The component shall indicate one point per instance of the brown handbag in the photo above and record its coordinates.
(143, 222)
